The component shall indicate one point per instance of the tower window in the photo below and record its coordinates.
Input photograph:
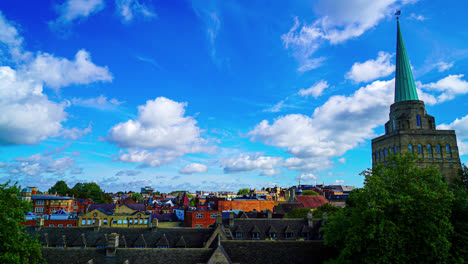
(381, 156)
(410, 148)
(418, 120)
(419, 148)
(447, 148)
(395, 150)
(438, 148)
(429, 148)
(385, 152)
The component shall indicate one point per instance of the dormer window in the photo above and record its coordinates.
(239, 235)
(289, 235)
(272, 235)
(305, 235)
(255, 235)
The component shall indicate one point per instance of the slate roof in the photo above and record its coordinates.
(311, 201)
(264, 226)
(194, 238)
(285, 208)
(107, 207)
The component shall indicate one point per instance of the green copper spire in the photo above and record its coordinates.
(405, 90)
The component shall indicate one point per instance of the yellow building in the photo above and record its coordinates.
(121, 216)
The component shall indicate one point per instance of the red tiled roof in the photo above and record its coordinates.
(311, 201)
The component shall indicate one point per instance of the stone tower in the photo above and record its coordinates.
(411, 129)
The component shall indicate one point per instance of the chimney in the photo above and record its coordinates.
(39, 223)
(112, 245)
(219, 219)
(269, 214)
(97, 225)
(154, 225)
(231, 219)
(310, 219)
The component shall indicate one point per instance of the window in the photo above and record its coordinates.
(131, 221)
(69, 225)
(289, 235)
(89, 221)
(447, 148)
(213, 215)
(438, 148)
(381, 156)
(418, 120)
(305, 235)
(83, 222)
(256, 235)
(114, 221)
(385, 152)
(141, 221)
(198, 225)
(390, 151)
(199, 216)
(419, 148)
(146, 221)
(395, 150)
(239, 235)
(60, 225)
(376, 155)
(94, 221)
(429, 148)
(119, 221)
(51, 225)
(40, 202)
(272, 235)
(104, 221)
(161, 246)
(410, 148)
(40, 210)
(125, 221)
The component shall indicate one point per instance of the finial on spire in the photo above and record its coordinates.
(398, 13)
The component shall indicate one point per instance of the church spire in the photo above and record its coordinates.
(405, 90)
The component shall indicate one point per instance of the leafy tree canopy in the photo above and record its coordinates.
(88, 190)
(326, 208)
(243, 191)
(16, 246)
(137, 196)
(60, 187)
(402, 215)
(298, 213)
(309, 192)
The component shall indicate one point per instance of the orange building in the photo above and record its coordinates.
(200, 218)
(245, 205)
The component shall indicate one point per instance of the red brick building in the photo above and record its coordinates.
(56, 223)
(200, 218)
(81, 205)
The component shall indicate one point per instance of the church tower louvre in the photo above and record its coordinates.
(411, 129)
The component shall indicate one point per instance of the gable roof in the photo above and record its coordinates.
(311, 201)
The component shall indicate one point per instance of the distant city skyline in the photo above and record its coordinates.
(216, 95)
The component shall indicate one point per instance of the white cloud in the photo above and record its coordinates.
(276, 108)
(417, 17)
(449, 87)
(244, 163)
(307, 177)
(28, 116)
(371, 69)
(342, 160)
(41, 163)
(128, 9)
(59, 72)
(315, 90)
(338, 182)
(443, 66)
(101, 102)
(337, 126)
(10, 36)
(75, 133)
(339, 20)
(194, 168)
(160, 134)
(128, 173)
(75, 9)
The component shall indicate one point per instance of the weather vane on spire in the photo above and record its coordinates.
(398, 13)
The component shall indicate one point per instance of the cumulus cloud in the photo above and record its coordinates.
(339, 20)
(449, 87)
(41, 163)
(371, 69)
(28, 115)
(194, 168)
(331, 130)
(71, 10)
(461, 129)
(75, 133)
(342, 160)
(60, 72)
(315, 90)
(160, 134)
(244, 163)
(101, 102)
(128, 173)
(128, 9)
(307, 177)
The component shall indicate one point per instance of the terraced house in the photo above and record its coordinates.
(118, 215)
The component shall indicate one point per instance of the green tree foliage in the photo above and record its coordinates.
(459, 218)
(88, 190)
(298, 213)
(309, 192)
(192, 202)
(16, 246)
(60, 187)
(137, 196)
(243, 191)
(326, 208)
(402, 215)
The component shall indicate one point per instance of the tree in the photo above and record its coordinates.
(402, 215)
(243, 191)
(459, 218)
(298, 213)
(137, 196)
(88, 190)
(60, 187)
(16, 246)
(309, 192)
(326, 208)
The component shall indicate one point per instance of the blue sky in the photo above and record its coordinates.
(215, 95)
